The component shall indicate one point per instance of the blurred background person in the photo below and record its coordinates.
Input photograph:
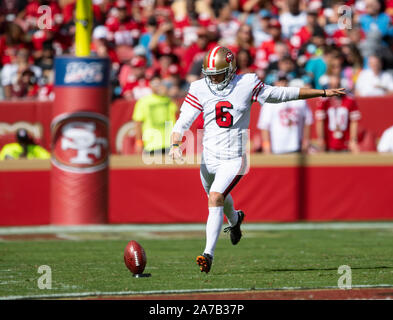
(373, 81)
(133, 79)
(260, 27)
(122, 26)
(244, 40)
(385, 144)
(154, 116)
(196, 51)
(12, 39)
(293, 18)
(295, 75)
(19, 73)
(23, 148)
(337, 122)
(244, 62)
(227, 25)
(317, 66)
(376, 19)
(285, 127)
(352, 66)
(25, 86)
(304, 34)
(267, 51)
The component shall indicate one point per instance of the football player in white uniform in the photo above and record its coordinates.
(225, 100)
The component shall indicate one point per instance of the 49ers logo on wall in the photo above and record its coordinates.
(79, 142)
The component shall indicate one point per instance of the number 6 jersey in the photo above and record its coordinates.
(227, 115)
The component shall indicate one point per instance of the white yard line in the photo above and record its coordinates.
(193, 227)
(185, 291)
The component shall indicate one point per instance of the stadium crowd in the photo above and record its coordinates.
(306, 40)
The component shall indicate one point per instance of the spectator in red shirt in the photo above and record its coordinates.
(305, 33)
(197, 50)
(26, 85)
(168, 64)
(133, 81)
(45, 91)
(33, 13)
(164, 41)
(12, 41)
(267, 48)
(123, 29)
(163, 10)
(69, 12)
(337, 122)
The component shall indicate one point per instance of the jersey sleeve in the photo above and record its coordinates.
(189, 111)
(273, 94)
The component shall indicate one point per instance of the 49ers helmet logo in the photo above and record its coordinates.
(80, 142)
(229, 56)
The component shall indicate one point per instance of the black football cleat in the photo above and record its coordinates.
(204, 262)
(235, 232)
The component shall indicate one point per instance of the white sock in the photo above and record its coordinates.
(213, 228)
(230, 211)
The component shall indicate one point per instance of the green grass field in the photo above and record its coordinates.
(93, 261)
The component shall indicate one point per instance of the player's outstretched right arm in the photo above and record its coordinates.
(306, 93)
(277, 94)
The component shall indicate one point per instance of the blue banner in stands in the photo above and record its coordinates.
(73, 71)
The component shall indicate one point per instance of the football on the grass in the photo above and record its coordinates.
(135, 257)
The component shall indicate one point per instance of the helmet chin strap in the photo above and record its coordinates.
(218, 88)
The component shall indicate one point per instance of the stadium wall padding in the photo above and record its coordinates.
(325, 187)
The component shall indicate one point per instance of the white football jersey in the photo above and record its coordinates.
(227, 115)
(285, 122)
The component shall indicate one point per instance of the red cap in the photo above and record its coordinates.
(138, 62)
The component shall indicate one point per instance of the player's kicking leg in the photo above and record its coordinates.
(213, 230)
(225, 179)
